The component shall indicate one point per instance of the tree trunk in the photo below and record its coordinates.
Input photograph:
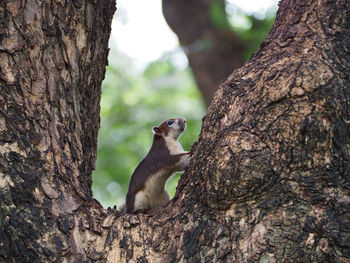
(212, 49)
(269, 179)
(52, 62)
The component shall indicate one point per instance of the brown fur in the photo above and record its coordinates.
(158, 161)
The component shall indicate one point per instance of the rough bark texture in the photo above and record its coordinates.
(270, 176)
(52, 62)
(212, 49)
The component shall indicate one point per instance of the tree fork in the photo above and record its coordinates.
(269, 177)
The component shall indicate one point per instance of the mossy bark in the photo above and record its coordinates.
(269, 180)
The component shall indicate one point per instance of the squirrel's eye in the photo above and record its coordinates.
(170, 123)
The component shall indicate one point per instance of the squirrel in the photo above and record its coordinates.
(166, 156)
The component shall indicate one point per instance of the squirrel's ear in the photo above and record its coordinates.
(156, 131)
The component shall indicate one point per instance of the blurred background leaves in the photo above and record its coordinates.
(131, 104)
(137, 96)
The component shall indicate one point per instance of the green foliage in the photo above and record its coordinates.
(217, 14)
(251, 29)
(131, 104)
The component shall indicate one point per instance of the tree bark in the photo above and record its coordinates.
(269, 180)
(52, 62)
(212, 49)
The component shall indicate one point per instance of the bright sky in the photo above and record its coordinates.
(140, 31)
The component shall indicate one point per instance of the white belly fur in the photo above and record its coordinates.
(154, 193)
(173, 145)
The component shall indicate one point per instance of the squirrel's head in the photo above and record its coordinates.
(170, 128)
